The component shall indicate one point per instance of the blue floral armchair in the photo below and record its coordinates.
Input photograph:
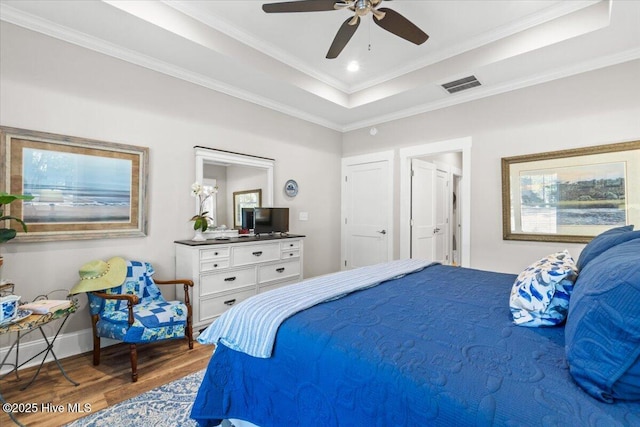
(136, 312)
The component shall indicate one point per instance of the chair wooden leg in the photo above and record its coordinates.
(96, 350)
(134, 362)
(96, 341)
(189, 325)
(189, 333)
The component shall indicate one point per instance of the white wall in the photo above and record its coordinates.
(598, 107)
(48, 85)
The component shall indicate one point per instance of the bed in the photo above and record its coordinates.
(436, 346)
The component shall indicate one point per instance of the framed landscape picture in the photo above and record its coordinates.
(245, 199)
(571, 195)
(81, 188)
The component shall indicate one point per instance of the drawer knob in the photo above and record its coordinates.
(280, 270)
(290, 254)
(257, 253)
(230, 302)
(215, 265)
(230, 279)
(290, 245)
(215, 253)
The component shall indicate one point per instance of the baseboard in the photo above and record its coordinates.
(69, 344)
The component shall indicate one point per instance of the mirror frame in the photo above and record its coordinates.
(205, 155)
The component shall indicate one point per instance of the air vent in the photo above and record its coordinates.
(461, 84)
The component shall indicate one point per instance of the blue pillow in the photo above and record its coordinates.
(604, 241)
(602, 334)
(540, 295)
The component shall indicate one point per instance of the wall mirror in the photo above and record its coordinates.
(233, 173)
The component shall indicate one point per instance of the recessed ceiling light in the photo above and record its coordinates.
(353, 66)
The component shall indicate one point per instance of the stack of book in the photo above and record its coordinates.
(45, 306)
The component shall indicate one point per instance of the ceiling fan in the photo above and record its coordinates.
(385, 18)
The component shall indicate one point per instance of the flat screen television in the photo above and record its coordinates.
(270, 220)
(247, 219)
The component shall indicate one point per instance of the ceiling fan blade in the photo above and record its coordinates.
(401, 26)
(300, 6)
(346, 31)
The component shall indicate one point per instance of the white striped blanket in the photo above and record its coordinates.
(251, 326)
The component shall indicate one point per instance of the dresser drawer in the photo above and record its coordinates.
(290, 245)
(227, 280)
(252, 254)
(212, 307)
(212, 265)
(292, 253)
(214, 253)
(279, 271)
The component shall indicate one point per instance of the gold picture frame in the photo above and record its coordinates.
(82, 188)
(571, 195)
(245, 199)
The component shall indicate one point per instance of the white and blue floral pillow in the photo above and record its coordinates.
(540, 295)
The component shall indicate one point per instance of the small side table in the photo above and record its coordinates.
(24, 327)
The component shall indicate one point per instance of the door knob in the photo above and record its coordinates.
(382, 231)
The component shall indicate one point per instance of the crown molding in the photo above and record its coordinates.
(484, 92)
(43, 26)
(254, 42)
(548, 14)
(34, 23)
(498, 33)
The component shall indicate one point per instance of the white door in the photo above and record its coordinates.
(430, 212)
(423, 213)
(367, 205)
(442, 208)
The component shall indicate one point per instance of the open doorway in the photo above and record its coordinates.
(433, 223)
(458, 235)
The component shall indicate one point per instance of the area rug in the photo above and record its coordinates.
(168, 406)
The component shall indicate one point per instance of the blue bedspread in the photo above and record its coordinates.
(251, 326)
(436, 347)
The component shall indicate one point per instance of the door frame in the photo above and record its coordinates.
(406, 154)
(389, 157)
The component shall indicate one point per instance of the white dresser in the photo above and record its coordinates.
(225, 272)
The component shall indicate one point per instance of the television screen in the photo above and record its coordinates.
(271, 220)
(247, 219)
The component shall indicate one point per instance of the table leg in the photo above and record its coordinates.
(46, 352)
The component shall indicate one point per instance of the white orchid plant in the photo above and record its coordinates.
(202, 219)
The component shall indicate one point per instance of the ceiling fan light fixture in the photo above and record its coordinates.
(363, 7)
(353, 66)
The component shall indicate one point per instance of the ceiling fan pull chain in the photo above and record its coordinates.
(369, 36)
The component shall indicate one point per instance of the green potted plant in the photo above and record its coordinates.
(7, 234)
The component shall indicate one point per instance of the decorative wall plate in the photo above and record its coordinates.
(291, 188)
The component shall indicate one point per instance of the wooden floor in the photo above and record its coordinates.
(100, 386)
